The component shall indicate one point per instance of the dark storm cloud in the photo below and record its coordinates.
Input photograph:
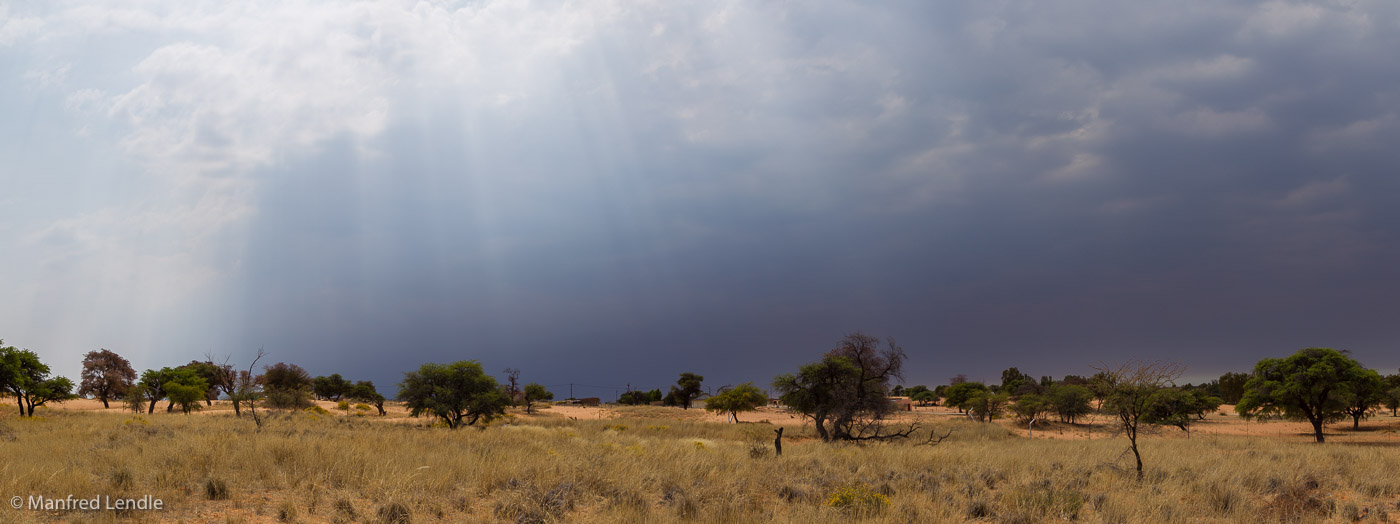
(730, 189)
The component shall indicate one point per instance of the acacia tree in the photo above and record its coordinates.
(209, 372)
(957, 395)
(1392, 400)
(23, 375)
(1232, 387)
(687, 388)
(985, 405)
(332, 387)
(1180, 408)
(363, 391)
(1361, 395)
(135, 398)
(106, 375)
(1129, 392)
(155, 384)
(743, 397)
(845, 394)
(534, 393)
(225, 379)
(1069, 401)
(152, 387)
(1309, 385)
(286, 386)
(637, 397)
(187, 393)
(455, 392)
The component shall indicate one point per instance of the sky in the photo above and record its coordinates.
(612, 193)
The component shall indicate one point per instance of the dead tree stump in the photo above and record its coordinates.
(778, 442)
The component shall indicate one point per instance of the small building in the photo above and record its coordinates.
(902, 403)
(590, 402)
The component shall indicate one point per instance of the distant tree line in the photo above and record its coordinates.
(845, 395)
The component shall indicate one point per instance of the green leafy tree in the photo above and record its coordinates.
(152, 385)
(106, 376)
(636, 398)
(1392, 400)
(687, 388)
(986, 406)
(330, 388)
(1013, 381)
(957, 395)
(457, 393)
(744, 397)
(1180, 407)
(155, 385)
(1069, 402)
(287, 386)
(536, 393)
(1101, 385)
(1202, 404)
(925, 397)
(1029, 407)
(188, 392)
(846, 393)
(26, 377)
(1310, 385)
(209, 372)
(1232, 387)
(135, 398)
(1362, 395)
(363, 391)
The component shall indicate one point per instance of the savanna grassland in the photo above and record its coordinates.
(654, 464)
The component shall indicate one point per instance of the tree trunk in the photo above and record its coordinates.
(20, 403)
(152, 409)
(236, 411)
(778, 442)
(1317, 430)
(104, 402)
(1356, 421)
(1132, 438)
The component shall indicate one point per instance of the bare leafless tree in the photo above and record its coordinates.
(1129, 390)
(513, 384)
(247, 389)
(225, 380)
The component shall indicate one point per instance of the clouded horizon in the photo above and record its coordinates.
(613, 193)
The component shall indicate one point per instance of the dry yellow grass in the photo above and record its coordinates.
(657, 465)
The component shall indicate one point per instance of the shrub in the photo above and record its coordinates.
(394, 513)
(215, 489)
(857, 496)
